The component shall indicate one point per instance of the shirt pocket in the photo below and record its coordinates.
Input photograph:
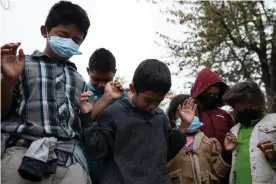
(267, 133)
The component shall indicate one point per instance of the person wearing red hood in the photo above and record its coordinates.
(208, 90)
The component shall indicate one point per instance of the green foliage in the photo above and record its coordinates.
(236, 39)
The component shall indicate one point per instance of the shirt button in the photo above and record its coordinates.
(254, 167)
(266, 129)
(252, 150)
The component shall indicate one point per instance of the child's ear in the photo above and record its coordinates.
(131, 88)
(43, 31)
(88, 71)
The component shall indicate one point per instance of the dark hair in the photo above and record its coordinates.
(175, 102)
(152, 75)
(102, 60)
(245, 92)
(64, 13)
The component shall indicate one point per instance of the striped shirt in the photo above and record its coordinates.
(46, 100)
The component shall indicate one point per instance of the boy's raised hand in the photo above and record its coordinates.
(113, 91)
(187, 112)
(268, 149)
(12, 67)
(230, 142)
(84, 105)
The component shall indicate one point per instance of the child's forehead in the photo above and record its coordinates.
(95, 73)
(70, 29)
(152, 95)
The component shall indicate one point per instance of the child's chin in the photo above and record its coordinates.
(100, 90)
(147, 110)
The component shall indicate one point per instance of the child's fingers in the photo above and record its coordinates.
(190, 104)
(233, 139)
(110, 83)
(94, 100)
(118, 85)
(10, 48)
(267, 146)
(269, 151)
(231, 136)
(21, 55)
(179, 107)
(5, 51)
(14, 49)
(190, 101)
(265, 142)
(185, 104)
(10, 45)
(86, 94)
(259, 145)
(194, 108)
(119, 88)
(83, 99)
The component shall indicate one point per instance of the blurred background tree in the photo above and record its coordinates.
(235, 39)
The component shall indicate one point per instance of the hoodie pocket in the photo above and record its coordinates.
(208, 178)
(178, 177)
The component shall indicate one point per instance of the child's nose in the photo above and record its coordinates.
(152, 107)
(102, 84)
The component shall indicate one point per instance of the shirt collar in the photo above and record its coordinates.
(93, 90)
(254, 122)
(38, 54)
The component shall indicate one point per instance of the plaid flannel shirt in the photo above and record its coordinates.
(46, 98)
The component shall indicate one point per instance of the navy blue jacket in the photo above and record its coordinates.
(135, 145)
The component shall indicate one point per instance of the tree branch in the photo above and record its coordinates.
(241, 61)
(238, 43)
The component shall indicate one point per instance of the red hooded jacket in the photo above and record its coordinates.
(217, 122)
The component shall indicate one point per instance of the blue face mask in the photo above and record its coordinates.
(194, 126)
(63, 47)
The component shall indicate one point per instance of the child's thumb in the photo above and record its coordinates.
(21, 56)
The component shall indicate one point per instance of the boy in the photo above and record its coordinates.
(253, 161)
(133, 136)
(43, 90)
(102, 69)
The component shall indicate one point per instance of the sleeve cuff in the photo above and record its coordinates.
(221, 167)
(85, 119)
